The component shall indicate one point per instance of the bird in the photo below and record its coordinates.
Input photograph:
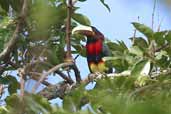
(96, 49)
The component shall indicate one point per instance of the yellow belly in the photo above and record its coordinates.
(99, 67)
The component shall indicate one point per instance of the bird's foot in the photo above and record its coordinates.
(96, 75)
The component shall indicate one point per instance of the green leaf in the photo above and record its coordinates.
(122, 45)
(8, 80)
(140, 42)
(148, 32)
(118, 62)
(136, 51)
(138, 67)
(119, 46)
(5, 4)
(82, 0)
(158, 55)
(162, 59)
(13, 101)
(111, 58)
(2, 12)
(16, 5)
(159, 37)
(82, 19)
(13, 85)
(106, 5)
(167, 36)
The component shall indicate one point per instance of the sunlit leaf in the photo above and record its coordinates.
(140, 42)
(136, 50)
(82, 19)
(138, 68)
(148, 32)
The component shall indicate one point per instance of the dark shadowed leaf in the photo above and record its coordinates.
(5, 4)
(13, 85)
(167, 36)
(82, 0)
(159, 37)
(106, 5)
(16, 5)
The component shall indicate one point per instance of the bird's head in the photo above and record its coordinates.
(89, 31)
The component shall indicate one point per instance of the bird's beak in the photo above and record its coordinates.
(84, 30)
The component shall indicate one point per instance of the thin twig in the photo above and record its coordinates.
(36, 76)
(160, 25)
(153, 14)
(65, 77)
(76, 57)
(77, 73)
(57, 67)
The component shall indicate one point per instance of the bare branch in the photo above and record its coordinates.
(65, 77)
(68, 31)
(160, 25)
(68, 40)
(1, 89)
(57, 67)
(22, 75)
(153, 14)
(77, 73)
(58, 90)
(61, 89)
(36, 76)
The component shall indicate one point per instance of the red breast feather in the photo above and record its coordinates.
(94, 48)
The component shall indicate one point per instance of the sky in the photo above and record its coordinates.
(116, 25)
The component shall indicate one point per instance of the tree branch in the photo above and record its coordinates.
(57, 67)
(65, 77)
(57, 90)
(68, 31)
(36, 76)
(22, 75)
(4, 55)
(68, 40)
(61, 89)
(77, 73)
(162, 47)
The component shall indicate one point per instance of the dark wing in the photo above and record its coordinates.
(106, 52)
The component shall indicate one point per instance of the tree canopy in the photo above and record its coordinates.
(36, 41)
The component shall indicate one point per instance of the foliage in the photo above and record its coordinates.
(41, 45)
